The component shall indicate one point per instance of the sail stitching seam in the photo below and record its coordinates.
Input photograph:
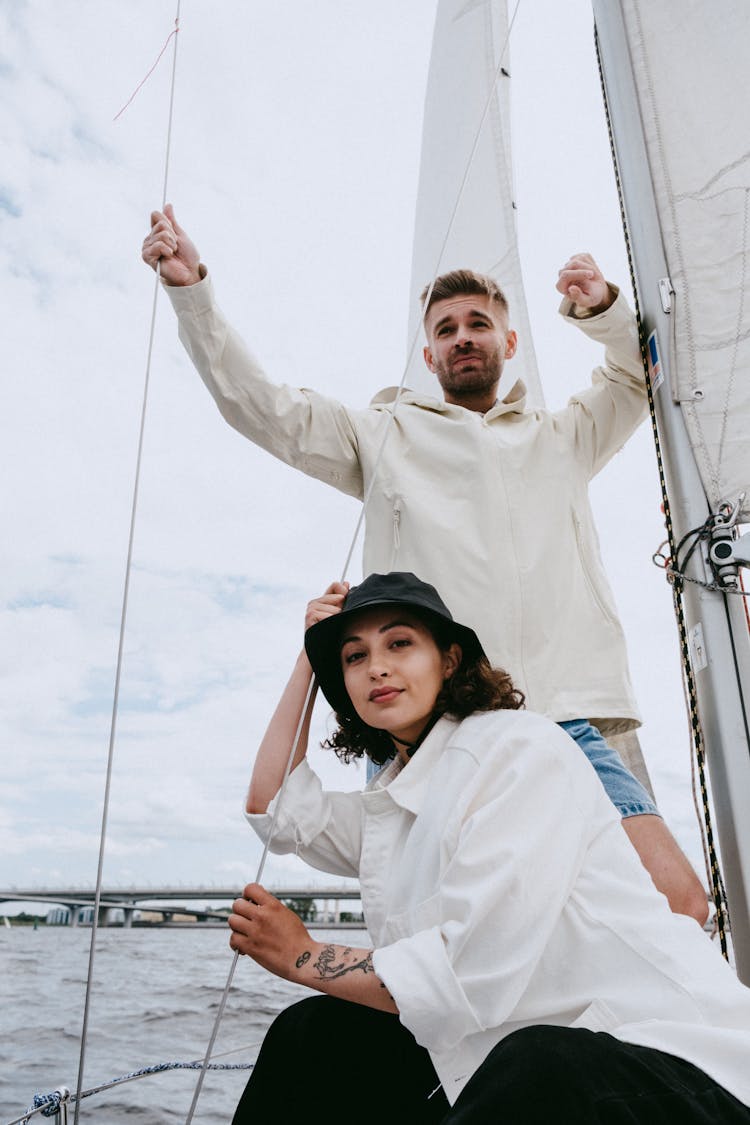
(740, 318)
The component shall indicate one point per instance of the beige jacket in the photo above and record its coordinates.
(493, 510)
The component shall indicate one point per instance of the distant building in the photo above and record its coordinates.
(58, 916)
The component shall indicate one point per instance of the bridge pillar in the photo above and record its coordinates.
(332, 910)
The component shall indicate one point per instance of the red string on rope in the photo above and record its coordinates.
(151, 71)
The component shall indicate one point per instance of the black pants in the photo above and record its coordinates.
(545, 1075)
(335, 1063)
(326, 1061)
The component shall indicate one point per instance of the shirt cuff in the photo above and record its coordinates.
(572, 311)
(430, 1000)
(300, 816)
(196, 299)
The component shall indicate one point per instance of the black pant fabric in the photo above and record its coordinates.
(329, 1062)
(325, 1061)
(570, 1076)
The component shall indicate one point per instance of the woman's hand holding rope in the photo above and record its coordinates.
(268, 931)
(274, 936)
(327, 604)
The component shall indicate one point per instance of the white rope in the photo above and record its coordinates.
(123, 617)
(49, 1104)
(309, 697)
(365, 502)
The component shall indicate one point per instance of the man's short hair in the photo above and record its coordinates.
(457, 283)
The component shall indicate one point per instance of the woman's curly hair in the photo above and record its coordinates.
(474, 686)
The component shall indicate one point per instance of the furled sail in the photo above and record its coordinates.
(467, 170)
(690, 70)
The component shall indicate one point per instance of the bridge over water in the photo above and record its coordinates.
(118, 905)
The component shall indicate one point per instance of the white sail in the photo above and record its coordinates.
(468, 171)
(690, 69)
(676, 91)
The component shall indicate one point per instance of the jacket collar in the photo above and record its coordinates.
(513, 403)
(406, 785)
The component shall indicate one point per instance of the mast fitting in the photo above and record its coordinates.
(666, 289)
(728, 550)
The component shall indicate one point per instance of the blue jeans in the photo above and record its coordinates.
(623, 789)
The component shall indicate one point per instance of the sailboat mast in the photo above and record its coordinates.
(716, 623)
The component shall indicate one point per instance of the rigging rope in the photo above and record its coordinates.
(123, 614)
(674, 566)
(49, 1104)
(713, 870)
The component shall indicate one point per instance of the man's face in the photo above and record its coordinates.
(468, 344)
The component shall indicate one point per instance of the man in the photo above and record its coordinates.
(484, 499)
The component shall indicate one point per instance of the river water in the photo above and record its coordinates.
(154, 999)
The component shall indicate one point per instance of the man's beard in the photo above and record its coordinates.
(481, 379)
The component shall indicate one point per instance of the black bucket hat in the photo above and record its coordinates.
(399, 588)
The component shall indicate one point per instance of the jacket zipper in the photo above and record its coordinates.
(586, 568)
(396, 531)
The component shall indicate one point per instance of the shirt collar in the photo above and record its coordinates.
(406, 785)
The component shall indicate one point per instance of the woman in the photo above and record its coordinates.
(524, 966)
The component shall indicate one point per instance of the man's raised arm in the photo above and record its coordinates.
(304, 429)
(603, 416)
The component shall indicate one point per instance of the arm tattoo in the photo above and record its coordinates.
(303, 958)
(334, 962)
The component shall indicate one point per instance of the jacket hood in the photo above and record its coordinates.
(513, 403)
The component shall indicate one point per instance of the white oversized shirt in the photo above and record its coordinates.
(500, 890)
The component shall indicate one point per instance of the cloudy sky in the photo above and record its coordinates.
(294, 165)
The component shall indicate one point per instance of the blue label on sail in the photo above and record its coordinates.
(655, 372)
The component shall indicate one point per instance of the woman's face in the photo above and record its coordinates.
(394, 670)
